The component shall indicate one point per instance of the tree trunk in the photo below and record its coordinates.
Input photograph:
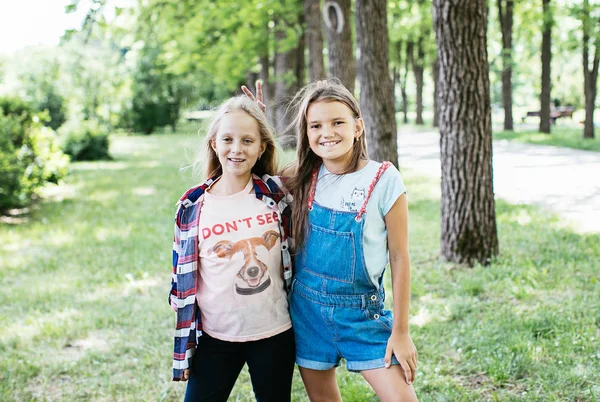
(434, 70)
(546, 63)
(376, 92)
(336, 18)
(418, 70)
(300, 62)
(314, 38)
(468, 212)
(395, 82)
(505, 15)
(285, 65)
(409, 50)
(590, 77)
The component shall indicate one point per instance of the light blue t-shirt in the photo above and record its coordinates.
(347, 193)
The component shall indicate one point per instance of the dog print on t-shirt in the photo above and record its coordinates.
(253, 276)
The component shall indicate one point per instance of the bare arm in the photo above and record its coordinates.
(400, 343)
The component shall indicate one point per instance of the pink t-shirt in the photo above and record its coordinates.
(240, 287)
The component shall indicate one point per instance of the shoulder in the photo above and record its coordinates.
(276, 186)
(389, 187)
(391, 172)
(191, 195)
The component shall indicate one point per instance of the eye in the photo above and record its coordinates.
(315, 126)
(226, 139)
(338, 123)
(248, 141)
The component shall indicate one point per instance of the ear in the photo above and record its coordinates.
(360, 128)
(263, 147)
(213, 144)
(270, 237)
(223, 248)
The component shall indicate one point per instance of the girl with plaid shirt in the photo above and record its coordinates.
(232, 265)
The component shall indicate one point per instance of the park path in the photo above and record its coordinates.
(562, 180)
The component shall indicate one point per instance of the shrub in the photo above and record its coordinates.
(85, 140)
(29, 154)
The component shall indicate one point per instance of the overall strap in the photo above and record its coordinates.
(313, 188)
(380, 172)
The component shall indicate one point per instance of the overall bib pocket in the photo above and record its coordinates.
(338, 251)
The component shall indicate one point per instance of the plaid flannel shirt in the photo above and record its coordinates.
(182, 297)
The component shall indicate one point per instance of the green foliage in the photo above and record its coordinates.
(29, 154)
(157, 94)
(41, 84)
(85, 140)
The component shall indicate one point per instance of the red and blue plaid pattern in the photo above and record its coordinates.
(182, 297)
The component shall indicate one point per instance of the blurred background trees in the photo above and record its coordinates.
(144, 67)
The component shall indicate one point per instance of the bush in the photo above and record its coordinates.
(29, 154)
(85, 140)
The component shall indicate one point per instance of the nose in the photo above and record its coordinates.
(327, 131)
(236, 147)
(252, 271)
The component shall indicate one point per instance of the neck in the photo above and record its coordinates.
(340, 167)
(228, 185)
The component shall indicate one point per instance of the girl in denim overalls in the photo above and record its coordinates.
(350, 217)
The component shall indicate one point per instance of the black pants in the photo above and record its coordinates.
(216, 365)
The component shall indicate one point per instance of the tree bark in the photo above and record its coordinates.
(409, 50)
(285, 66)
(434, 70)
(336, 18)
(376, 92)
(590, 77)
(468, 210)
(505, 15)
(314, 38)
(546, 69)
(417, 65)
(300, 60)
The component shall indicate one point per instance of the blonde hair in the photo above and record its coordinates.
(331, 90)
(206, 163)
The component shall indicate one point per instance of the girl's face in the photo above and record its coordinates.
(238, 144)
(332, 129)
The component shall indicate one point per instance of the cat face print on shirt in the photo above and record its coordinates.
(355, 201)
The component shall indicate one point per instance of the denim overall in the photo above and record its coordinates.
(337, 312)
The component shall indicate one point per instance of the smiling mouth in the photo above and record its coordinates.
(329, 143)
(236, 160)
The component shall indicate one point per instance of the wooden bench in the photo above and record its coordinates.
(556, 113)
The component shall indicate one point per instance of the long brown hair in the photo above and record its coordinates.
(331, 90)
(206, 163)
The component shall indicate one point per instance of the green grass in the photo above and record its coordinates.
(85, 276)
(561, 136)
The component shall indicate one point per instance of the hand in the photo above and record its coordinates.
(259, 95)
(402, 346)
(186, 375)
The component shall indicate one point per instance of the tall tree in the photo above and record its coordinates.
(376, 92)
(546, 68)
(418, 67)
(590, 76)
(434, 71)
(468, 216)
(338, 30)
(505, 15)
(314, 38)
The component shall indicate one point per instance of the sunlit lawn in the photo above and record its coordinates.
(561, 136)
(85, 276)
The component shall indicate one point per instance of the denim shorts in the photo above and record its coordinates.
(328, 328)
